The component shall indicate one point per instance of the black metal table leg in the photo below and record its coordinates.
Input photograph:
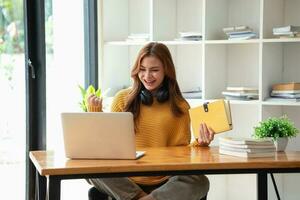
(262, 186)
(275, 186)
(53, 191)
(40, 187)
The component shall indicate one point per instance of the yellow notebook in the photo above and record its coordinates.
(215, 114)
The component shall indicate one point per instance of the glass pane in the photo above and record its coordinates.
(12, 101)
(64, 71)
(64, 63)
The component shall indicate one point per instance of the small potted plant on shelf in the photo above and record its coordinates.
(277, 128)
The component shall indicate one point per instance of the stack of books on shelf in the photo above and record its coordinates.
(138, 37)
(287, 31)
(240, 93)
(195, 93)
(239, 33)
(190, 36)
(246, 147)
(285, 92)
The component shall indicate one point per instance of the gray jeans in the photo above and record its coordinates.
(192, 187)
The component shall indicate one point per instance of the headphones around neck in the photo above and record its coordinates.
(161, 95)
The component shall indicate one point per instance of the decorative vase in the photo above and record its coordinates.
(281, 143)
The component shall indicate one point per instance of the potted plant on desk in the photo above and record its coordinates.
(277, 128)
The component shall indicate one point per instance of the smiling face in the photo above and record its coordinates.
(151, 73)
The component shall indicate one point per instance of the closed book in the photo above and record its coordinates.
(286, 95)
(247, 154)
(240, 98)
(289, 28)
(239, 32)
(190, 34)
(285, 34)
(252, 141)
(296, 35)
(235, 28)
(242, 38)
(286, 86)
(192, 95)
(249, 150)
(242, 89)
(286, 91)
(215, 114)
(235, 95)
(240, 94)
(240, 35)
(247, 146)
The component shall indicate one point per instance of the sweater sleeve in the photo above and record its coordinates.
(94, 108)
(118, 103)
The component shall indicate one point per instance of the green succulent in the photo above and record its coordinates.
(275, 127)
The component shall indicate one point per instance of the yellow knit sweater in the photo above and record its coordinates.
(156, 127)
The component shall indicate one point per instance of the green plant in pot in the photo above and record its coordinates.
(277, 128)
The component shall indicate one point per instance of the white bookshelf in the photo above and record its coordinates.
(212, 63)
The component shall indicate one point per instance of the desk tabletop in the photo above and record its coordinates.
(161, 159)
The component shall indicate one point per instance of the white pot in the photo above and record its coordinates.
(281, 143)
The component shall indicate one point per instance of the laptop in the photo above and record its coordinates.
(99, 135)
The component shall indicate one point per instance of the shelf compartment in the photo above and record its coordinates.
(171, 17)
(292, 112)
(195, 102)
(122, 18)
(230, 65)
(188, 64)
(280, 64)
(116, 73)
(227, 13)
(279, 13)
(244, 118)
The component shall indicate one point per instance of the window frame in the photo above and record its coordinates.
(35, 77)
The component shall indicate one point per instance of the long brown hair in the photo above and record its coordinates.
(161, 52)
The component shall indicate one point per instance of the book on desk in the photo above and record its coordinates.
(246, 147)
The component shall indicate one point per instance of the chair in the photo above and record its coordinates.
(95, 194)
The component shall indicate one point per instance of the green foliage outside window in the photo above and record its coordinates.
(11, 26)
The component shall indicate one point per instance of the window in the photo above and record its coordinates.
(12, 101)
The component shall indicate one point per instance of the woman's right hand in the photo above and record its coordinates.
(206, 135)
(94, 103)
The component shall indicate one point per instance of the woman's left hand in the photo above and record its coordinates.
(206, 135)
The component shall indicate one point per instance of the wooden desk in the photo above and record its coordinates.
(160, 161)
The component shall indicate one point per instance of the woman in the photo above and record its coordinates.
(161, 119)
